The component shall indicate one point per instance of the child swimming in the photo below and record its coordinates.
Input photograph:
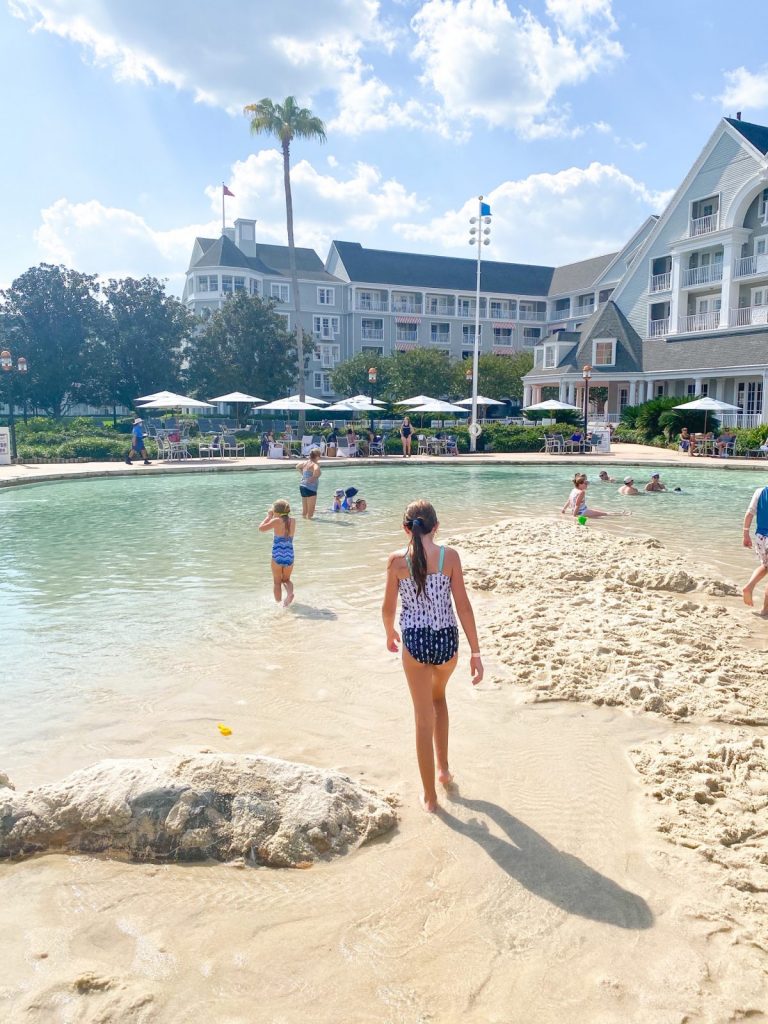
(279, 519)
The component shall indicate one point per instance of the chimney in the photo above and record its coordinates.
(738, 115)
(245, 236)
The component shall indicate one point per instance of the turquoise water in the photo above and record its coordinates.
(115, 585)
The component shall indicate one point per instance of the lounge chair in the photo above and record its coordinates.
(231, 446)
(422, 447)
(209, 447)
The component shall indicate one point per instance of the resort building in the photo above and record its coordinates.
(682, 309)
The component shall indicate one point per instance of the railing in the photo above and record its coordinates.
(740, 419)
(748, 315)
(501, 314)
(403, 306)
(440, 339)
(372, 305)
(656, 328)
(532, 314)
(562, 313)
(372, 334)
(585, 310)
(704, 225)
(699, 322)
(745, 267)
(407, 336)
(702, 275)
(661, 282)
(469, 314)
(440, 309)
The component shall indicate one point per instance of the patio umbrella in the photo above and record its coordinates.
(435, 405)
(157, 395)
(313, 402)
(416, 400)
(708, 405)
(175, 402)
(480, 401)
(347, 405)
(363, 400)
(551, 405)
(237, 398)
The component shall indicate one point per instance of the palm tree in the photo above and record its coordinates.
(288, 121)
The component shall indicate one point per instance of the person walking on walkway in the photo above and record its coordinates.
(137, 443)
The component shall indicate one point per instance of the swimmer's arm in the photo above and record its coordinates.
(389, 605)
(267, 523)
(466, 616)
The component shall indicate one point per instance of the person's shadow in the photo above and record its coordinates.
(562, 879)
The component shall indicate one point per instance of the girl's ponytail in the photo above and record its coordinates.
(420, 518)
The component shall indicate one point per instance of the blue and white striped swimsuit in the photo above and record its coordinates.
(427, 622)
(282, 550)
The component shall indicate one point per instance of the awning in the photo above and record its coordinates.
(504, 323)
(405, 346)
(504, 350)
(408, 319)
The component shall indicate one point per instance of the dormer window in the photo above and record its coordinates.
(604, 352)
(762, 207)
(550, 355)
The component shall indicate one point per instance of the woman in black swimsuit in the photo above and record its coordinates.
(405, 436)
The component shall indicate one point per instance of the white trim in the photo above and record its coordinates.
(279, 285)
(332, 293)
(603, 341)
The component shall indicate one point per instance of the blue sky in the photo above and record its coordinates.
(577, 118)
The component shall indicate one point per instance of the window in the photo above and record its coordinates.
(286, 317)
(550, 355)
(280, 292)
(468, 332)
(659, 390)
(690, 389)
(466, 307)
(323, 383)
(760, 246)
(226, 283)
(373, 330)
(325, 326)
(531, 335)
(538, 357)
(369, 300)
(440, 333)
(604, 352)
(623, 398)
(762, 206)
(208, 284)
(254, 286)
(605, 294)
(749, 397)
(372, 350)
(239, 284)
(562, 307)
(326, 296)
(329, 355)
(406, 332)
(759, 296)
(502, 335)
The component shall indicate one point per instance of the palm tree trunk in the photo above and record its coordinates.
(294, 275)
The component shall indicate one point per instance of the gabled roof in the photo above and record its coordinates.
(417, 270)
(224, 253)
(276, 257)
(610, 322)
(269, 259)
(756, 134)
(579, 276)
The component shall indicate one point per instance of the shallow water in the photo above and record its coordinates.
(111, 588)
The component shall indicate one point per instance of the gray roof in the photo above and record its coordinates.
(757, 134)
(579, 276)
(223, 252)
(711, 352)
(269, 259)
(607, 322)
(417, 270)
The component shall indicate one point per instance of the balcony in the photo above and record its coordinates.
(440, 309)
(704, 225)
(469, 313)
(407, 336)
(702, 275)
(501, 314)
(661, 282)
(747, 316)
(532, 314)
(371, 305)
(658, 328)
(406, 306)
(587, 310)
(698, 322)
(372, 334)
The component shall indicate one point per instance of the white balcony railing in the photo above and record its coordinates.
(500, 314)
(702, 275)
(440, 309)
(468, 314)
(657, 328)
(532, 314)
(372, 305)
(407, 336)
(405, 306)
(704, 225)
(745, 267)
(746, 316)
(740, 419)
(585, 310)
(372, 334)
(661, 282)
(699, 322)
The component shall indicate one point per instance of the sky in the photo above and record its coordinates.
(576, 119)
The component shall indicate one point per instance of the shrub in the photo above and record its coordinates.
(750, 437)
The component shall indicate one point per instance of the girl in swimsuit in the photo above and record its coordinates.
(405, 436)
(426, 577)
(577, 500)
(279, 519)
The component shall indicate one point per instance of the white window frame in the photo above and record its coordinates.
(761, 244)
(439, 337)
(468, 334)
(227, 284)
(758, 296)
(503, 335)
(330, 355)
(550, 356)
(604, 341)
(239, 283)
(325, 326)
(277, 289)
(762, 207)
(254, 286)
(286, 317)
(326, 297)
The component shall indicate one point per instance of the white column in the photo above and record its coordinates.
(562, 392)
(674, 302)
(570, 392)
(697, 384)
(648, 390)
(764, 416)
(729, 290)
(527, 396)
(719, 385)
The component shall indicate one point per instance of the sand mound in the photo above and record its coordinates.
(626, 622)
(192, 808)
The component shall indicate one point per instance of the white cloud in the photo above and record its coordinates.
(549, 219)
(486, 63)
(744, 88)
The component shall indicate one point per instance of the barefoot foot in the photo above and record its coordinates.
(746, 593)
(444, 777)
(288, 594)
(430, 806)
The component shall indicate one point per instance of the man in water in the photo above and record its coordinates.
(655, 484)
(628, 487)
(758, 509)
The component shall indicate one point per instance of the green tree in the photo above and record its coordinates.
(288, 121)
(499, 377)
(143, 341)
(351, 377)
(421, 371)
(52, 316)
(244, 346)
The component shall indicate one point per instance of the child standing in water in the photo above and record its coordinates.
(426, 577)
(279, 519)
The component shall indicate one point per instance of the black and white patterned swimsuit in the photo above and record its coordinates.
(427, 623)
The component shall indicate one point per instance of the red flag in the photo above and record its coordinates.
(227, 192)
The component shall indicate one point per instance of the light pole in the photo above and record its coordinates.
(7, 368)
(373, 374)
(478, 235)
(586, 373)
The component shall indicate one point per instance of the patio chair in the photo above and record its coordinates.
(553, 444)
(727, 449)
(422, 447)
(276, 451)
(209, 447)
(378, 445)
(231, 446)
(451, 445)
(307, 444)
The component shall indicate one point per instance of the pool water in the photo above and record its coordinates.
(118, 586)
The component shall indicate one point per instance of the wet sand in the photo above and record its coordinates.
(572, 876)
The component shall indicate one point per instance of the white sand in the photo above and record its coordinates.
(552, 889)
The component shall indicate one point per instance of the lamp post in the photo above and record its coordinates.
(478, 235)
(7, 368)
(373, 374)
(586, 373)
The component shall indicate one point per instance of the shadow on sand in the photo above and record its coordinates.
(306, 611)
(560, 878)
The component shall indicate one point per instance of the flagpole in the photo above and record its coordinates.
(223, 222)
(476, 347)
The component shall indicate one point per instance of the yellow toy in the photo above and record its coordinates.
(224, 729)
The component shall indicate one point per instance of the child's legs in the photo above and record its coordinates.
(287, 570)
(277, 580)
(420, 684)
(594, 513)
(440, 676)
(754, 579)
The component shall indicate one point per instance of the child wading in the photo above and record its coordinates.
(426, 577)
(279, 519)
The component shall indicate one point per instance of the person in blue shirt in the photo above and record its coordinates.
(758, 510)
(137, 443)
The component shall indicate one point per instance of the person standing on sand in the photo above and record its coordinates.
(426, 577)
(758, 509)
(577, 500)
(279, 519)
(310, 479)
